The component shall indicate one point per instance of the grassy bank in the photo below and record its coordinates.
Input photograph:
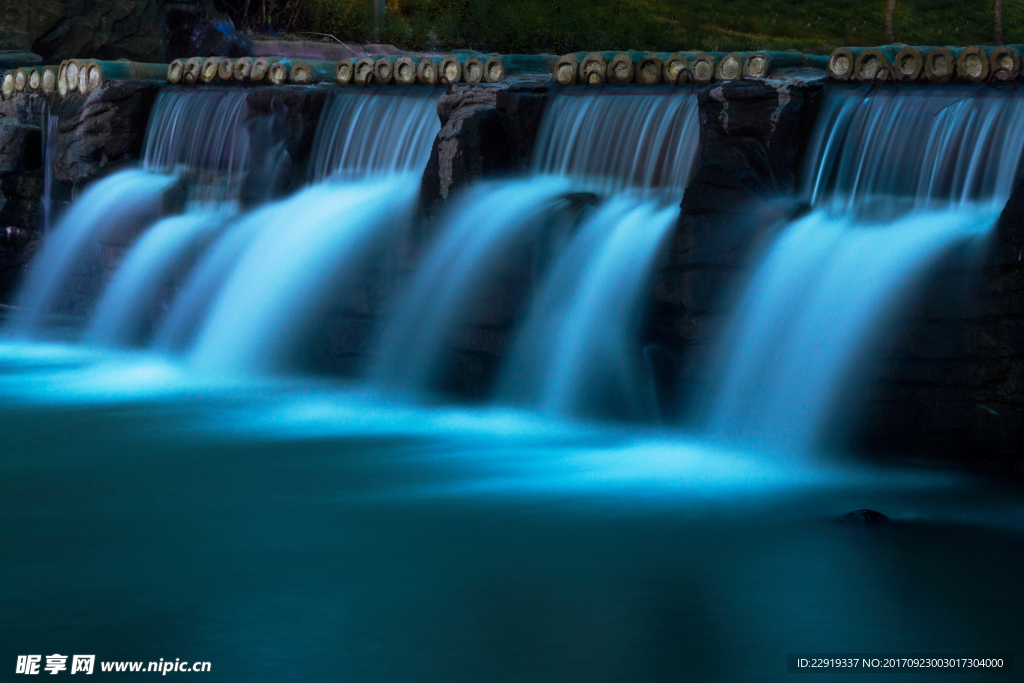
(664, 25)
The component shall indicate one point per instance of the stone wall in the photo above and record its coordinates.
(952, 385)
(753, 138)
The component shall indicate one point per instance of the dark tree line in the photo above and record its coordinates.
(997, 10)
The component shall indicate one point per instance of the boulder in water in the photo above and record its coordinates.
(864, 517)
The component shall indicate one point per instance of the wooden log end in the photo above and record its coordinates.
(593, 69)
(649, 69)
(908, 64)
(35, 80)
(757, 65)
(49, 79)
(405, 70)
(703, 66)
(676, 69)
(301, 74)
(1005, 57)
(566, 69)
(260, 68)
(841, 64)
(428, 72)
(8, 85)
(343, 72)
(621, 70)
(279, 70)
(473, 70)
(242, 69)
(83, 79)
(451, 69)
(494, 69)
(939, 65)
(190, 74)
(384, 68)
(226, 69)
(174, 71)
(972, 65)
(20, 79)
(730, 67)
(872, 64)
(208, 72)
(94, 77)
(71, 75)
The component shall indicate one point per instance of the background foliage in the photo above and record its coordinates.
(561, 26)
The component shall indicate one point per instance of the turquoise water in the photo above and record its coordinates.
(309, 530)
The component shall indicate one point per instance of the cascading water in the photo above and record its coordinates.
(469, 249)
(201, 134)
(610, 140)
(577, 350)
(152, 265)
(899, 179)
(639, 149)
(325, 233)
(49, 138)
(111, 208)
(376, 132)
(291, 527)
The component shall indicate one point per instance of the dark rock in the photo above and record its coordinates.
(100, 29)
(194, 32)
(103, 132)
(752, 140)
(952, 385)
(12, 59)
(282, 124)
(486, 131)
(864, 517)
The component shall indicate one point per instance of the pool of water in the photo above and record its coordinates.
(311, 530)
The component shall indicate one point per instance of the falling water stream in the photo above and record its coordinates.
(897, 181)
(172, 487)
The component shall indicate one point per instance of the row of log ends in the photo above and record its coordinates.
(77, 76)
(369, 70)
(907, 64)
(651, 68)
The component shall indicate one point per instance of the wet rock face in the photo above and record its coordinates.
(952, 384)
(102, 29)
(487, 130)
(753, 138)
(21, 187)
(102, 132)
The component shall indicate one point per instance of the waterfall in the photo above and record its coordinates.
(578, 350)
(111, 209)
(380, 131)
(578, 343)
(200, 133)
(897, 181)
(261, 313)
(611, 140)
(149, 268)
(49, 138)
(483, 228)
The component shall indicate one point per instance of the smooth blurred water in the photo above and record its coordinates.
(897, 181)
(195, 501)
(297, 530)
(375, 131)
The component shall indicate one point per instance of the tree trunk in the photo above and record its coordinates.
(890, 9)
(998, 8)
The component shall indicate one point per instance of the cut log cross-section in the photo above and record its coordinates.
(908, 64)
(939, 64)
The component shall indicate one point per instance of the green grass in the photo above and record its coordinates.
(560, 26)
